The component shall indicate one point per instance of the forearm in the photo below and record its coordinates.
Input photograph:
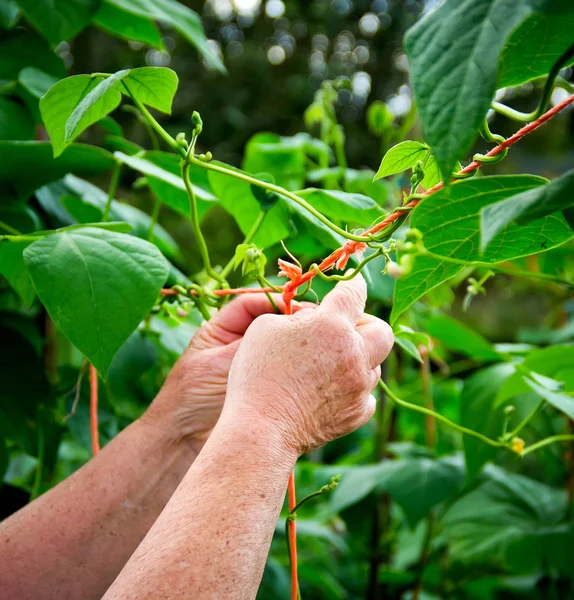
(74, 540)
(213, 537)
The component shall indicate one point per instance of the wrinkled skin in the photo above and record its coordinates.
(311, 374)
(191, 399)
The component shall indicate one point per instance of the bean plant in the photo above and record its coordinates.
(462, 485)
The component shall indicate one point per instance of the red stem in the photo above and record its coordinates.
(94, 410)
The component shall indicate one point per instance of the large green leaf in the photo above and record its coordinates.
(285, 158)
(457, 336)
(117, 21)
(535, 46)
(9, 14)
(479, 411)
(238, 200)
(36, 81)
(12, 267)
(176, 15)
(548, 389)
(97, 286)
(16, 122)
(59, 20)
(417, 484)
(344, 206)
(55, 196)
(527, 206)
(453, 54)
(450, 223)
(20, 49)
(511, 522)
(20, 179)
(75, 103)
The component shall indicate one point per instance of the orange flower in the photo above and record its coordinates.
(351, 247)
(289, 270)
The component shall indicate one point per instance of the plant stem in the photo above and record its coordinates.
(112, 190)
(430, 422)
(425, 553)
(197, 228)
(439, 417)
(546, 442)
(154, 217)
(516, 115)
(278, 190)
(9, 228)
(527, 419)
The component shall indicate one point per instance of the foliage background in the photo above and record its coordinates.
(409, 526)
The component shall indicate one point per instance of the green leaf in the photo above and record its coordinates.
(410, 340)
(98, 102)
(407, 345)
(547, 388)
(97, 286)
(480, 411)
(450, 223)
(20, 49)
(73, 104)
(9, 15)
(176, 15)
(153, 86)
(35, 81)
(238, 200)
(50, 198)
(59, 20)
(416, 484)
(12, 267)
(284, 158)
(82, 211)
(401, 157)
(526, 207)
(127, 25)
(16, 122)
(457, 336)
(19, 179)
(510, 522)
(61, 100)
(347, 207)
(453, 54)
(554, 362)
(534, 47)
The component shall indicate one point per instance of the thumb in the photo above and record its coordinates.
(347, 297)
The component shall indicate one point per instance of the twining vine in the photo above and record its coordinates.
(206, 298)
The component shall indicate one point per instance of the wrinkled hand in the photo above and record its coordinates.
(191, 399)
(310, 375)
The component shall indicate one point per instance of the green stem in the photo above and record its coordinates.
(527, 419)
(439, 417)
(262, 283)
(154, 217)
(352, 274)
(516, 115)
(546, 442)
(248, 239)
(278, 190)
(21, 238)
(9, 228)
(197, 228)
(503, 270)
(112, 190)
(163, 134)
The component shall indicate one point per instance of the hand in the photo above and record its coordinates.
(190, 401)
(310, 375)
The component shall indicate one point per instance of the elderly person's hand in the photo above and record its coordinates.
(310, 375)
(190, 401)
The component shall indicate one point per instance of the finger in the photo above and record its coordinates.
(348, 298)
(378, 338)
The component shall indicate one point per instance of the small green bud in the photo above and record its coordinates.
(414, 235)
(508, 410)
(406, 263)
(180, 139)
(208, 156)
(196, 119)
(379, 118)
